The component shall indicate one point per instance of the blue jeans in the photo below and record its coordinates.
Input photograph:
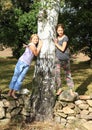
(19, 74)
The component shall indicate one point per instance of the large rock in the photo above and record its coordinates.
(2, 113)
(4, 122)
(66, 96)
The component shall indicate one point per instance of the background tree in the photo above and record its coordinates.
(77, 18)
(18, 20)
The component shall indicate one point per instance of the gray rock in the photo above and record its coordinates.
(89, 102)
(68, 110)
(84, 106)
(2, 113)
(66, 96)
(4, 122)
(24, 91)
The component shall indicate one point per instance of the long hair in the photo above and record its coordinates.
(59, 25)
(33, 35)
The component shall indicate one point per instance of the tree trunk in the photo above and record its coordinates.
(44, 87)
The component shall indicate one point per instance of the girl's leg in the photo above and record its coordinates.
(15, 76)
(19, 74)
(19, 81)
(14, 79)
(58, 77)
(10, 92)
(24, 69)
(69, 79)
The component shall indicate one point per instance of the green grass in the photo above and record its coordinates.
(81, 73)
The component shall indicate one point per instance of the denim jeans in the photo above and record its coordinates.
(19, 74)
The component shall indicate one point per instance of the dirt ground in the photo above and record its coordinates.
(6, 53)
(79, 57)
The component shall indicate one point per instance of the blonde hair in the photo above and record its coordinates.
(33, 35)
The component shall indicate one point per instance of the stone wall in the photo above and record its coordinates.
(67, 108)
(10, 107)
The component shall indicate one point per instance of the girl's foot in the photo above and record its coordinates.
(10, 93)
(59, 92)
(71, 92)
(14, 96)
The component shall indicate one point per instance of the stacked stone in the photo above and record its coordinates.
(10, 108)
(70, 109)
(75, 110)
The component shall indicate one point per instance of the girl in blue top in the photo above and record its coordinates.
(62, 59)
(23, 64)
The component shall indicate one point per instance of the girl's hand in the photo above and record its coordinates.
(55, 41)
(40, 43)
(24, 45)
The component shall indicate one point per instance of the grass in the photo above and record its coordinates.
(81, 73)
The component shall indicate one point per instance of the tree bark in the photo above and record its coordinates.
(44, 86)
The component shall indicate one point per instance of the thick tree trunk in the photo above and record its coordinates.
(44, 87)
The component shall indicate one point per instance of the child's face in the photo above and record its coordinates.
(35, 40)
(60, 31)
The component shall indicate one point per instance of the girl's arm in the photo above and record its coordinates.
(63, 47)
(36, 50)
(25, 45)
(39, 46)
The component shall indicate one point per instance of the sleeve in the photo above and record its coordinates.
(65, 39)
